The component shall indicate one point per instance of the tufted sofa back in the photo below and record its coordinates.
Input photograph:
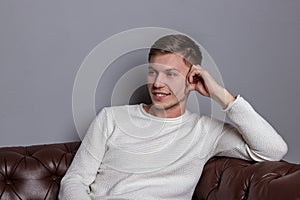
(35, 172)
(235, 179)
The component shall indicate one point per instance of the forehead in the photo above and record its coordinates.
(170, 60)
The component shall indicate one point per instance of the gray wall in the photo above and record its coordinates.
(254, 43)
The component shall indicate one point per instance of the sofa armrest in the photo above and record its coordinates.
(232, 179)
(34, 172)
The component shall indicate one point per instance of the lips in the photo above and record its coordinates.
(160, 94)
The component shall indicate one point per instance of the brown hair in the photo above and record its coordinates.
(180, 44)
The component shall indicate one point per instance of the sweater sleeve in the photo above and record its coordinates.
(250, 137)
(83, 169)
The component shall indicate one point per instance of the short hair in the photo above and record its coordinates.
(180, 44)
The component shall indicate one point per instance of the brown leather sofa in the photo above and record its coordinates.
(34, 172)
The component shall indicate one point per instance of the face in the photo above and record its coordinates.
(166, 78)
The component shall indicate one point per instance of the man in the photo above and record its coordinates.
(158, 151)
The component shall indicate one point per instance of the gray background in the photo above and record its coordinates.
(254, 43)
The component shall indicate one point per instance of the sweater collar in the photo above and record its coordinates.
(174, 119)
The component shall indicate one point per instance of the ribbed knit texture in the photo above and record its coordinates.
(130, 154)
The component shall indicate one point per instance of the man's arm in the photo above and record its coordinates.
(252, 137)
(83, 169)
(200, 80)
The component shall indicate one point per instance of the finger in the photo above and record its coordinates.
(196, 76)
(198, 67)
(190, 80)
(192, 76)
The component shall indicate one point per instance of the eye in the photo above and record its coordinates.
(171, 74)
(151, 72)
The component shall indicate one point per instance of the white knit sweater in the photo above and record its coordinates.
(130, 154)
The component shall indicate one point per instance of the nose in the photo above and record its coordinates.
(158, 81)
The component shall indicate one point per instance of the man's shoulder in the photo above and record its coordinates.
(122, 107)
(120, 110)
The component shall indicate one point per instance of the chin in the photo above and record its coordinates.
(164, 106)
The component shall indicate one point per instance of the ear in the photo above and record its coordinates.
(189, 86)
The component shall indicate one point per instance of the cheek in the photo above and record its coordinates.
(177, 86)
(150, 79)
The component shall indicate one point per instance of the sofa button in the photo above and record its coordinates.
(54, 177)
(8, 182)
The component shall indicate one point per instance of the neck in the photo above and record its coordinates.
(166, 112)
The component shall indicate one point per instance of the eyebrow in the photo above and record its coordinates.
(173, 69)
(167, 70)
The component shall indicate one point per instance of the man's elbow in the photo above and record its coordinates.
(280, 151)
(274, 153)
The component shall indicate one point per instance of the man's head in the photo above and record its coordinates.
(170, 59)
(178, 44)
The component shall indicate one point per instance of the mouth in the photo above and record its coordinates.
(160, 95)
